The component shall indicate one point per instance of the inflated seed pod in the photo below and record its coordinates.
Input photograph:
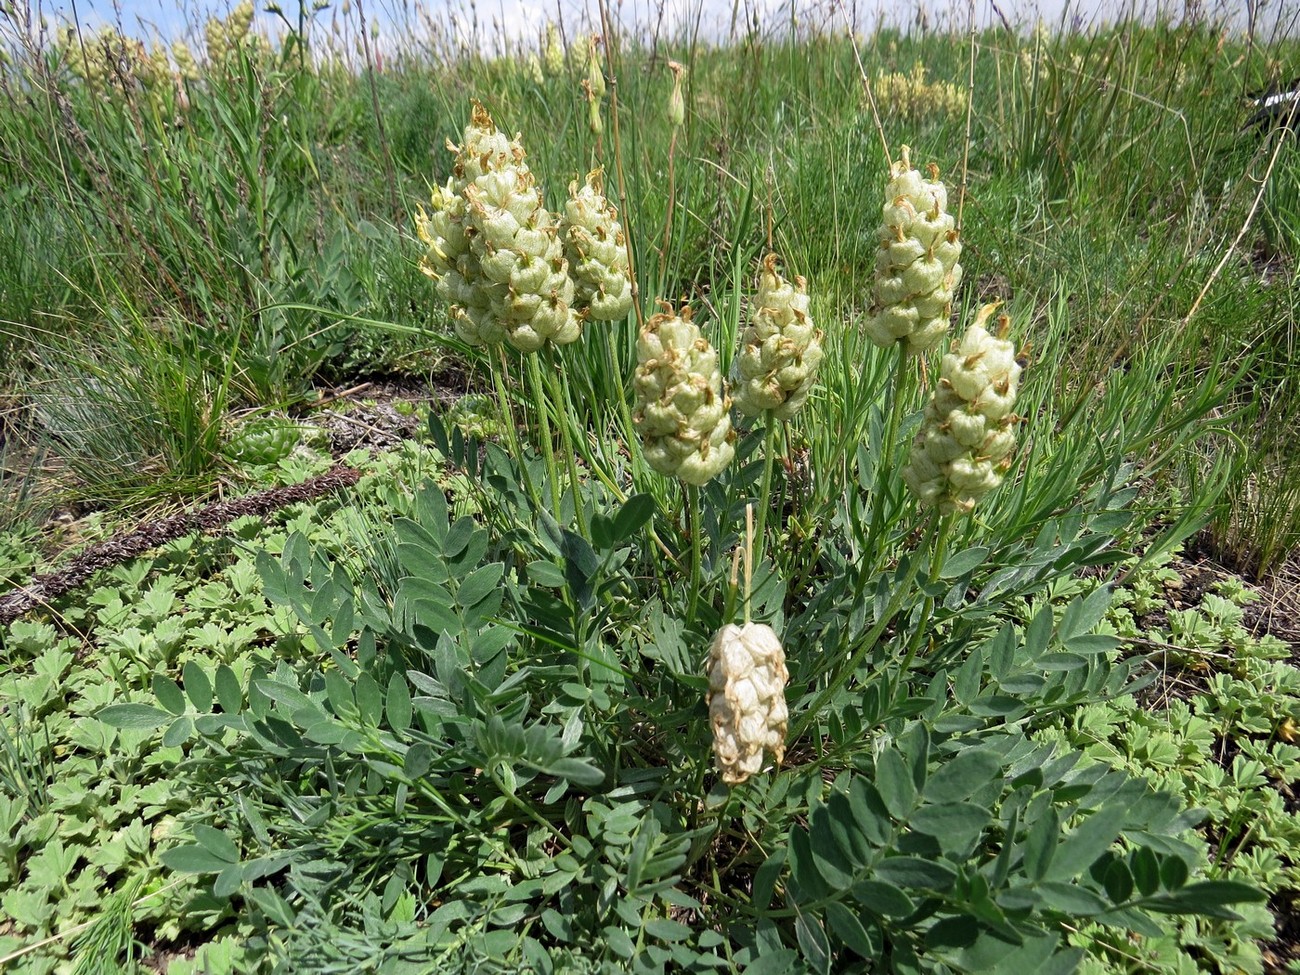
(747, 710)
(916, 270)
(964, 446)
(596, 251)
(780, 349)
(186, 66)
(494, 248)
(681, 408)
(553, 51)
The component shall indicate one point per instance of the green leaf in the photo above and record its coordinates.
(1173, 872)
(548, 575)
(882, 898)
(1146, 870)
(894, 781)
(619, 942)
(197, 687)
(217, 843)
(1040, 844)
(1083, 614)
(803, 866)
(635, 513)
(666, 930)
(765, 879)
(228, 881)
(178, 732)
(169, 693)
(966, 773)
(869, 811)
(370, 699)
(192, 858)
(1071, 899)
(849, 929)
(397, 704)
(1039, 634)
(418, 759)
(831, 861)
(229, 694)
(133, 717)
(579, 771)
(1208, 897)
(779, 962)
(953, 932)
(813, 943)
(1085, 844)
(953, 824)
(963, 562)
(479, 583)
(915, 872)
(1118, 882)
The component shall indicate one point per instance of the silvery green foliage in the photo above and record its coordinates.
(596, 251)
(747, 709)
(916, 264)
(780, 349)
(681, 411)
(968, 433)
(494, 248)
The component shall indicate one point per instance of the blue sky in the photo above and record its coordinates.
(524, 18)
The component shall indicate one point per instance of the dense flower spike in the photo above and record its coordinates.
(916, 265)
(780, 350)
(223, 37)
(966, 439)
(681, 410)
(913, 96)
(596, 251)
(553, 51)
(495, 250)
(747, 709)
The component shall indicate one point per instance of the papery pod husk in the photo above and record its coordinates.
(681, 406)
(780, 349)
(596, 250)
(746, 700)
(964, 447)
(917, 270)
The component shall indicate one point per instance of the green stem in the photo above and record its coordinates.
(866, 645)
(939, 552)
(537, 392)
(899, 388)
(566, 417)
(512, 431)
(765, 492)
(899, 391)
(693, 527)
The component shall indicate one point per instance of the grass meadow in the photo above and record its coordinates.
(335, 639)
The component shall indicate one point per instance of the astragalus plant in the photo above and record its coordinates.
(536, 737)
